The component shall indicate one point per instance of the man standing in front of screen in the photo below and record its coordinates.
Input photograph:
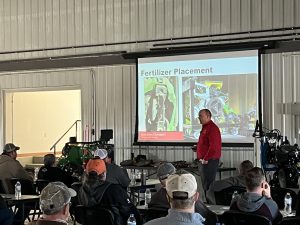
(208, 149)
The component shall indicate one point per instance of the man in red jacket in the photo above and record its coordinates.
(208, 148)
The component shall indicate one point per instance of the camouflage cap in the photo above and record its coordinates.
(54, 197)
(10, 147)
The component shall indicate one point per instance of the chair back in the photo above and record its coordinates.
(293, 220)
(27, 186)
(153, 213)
(40, 184)
(278, 195)
(2, 191)
(224, 196)
(93, 215)
(233, 217)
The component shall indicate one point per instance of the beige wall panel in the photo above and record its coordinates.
(278, 17)
(178, 18)
(196, 17)
(160, 18)
(235, 15)
(142, 20)
(255, 15)
(205, 17)
(168, 21)
(225, 17)
(245, 15)
(289, 13)
(296, 13)
(266, 14)
(186, 18)
(151, 19)
(215, 13)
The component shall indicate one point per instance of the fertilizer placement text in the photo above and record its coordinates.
(177, 71)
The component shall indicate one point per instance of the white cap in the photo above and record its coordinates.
(101, 153)
(181, 186)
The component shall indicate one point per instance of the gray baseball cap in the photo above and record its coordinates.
(54, 197)
(165, 170)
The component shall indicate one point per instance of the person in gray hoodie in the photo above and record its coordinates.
(257, 199)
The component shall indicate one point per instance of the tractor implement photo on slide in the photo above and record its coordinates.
(198, 95)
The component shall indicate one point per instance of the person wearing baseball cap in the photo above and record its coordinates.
(100, 153)
(159, 199)
(182, 194)
(96, 191)
(55, 200)
(10, 167)
(114, 173)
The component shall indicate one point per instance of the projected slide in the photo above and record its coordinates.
(173, 89)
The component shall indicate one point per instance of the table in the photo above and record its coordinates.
(138, 188)
(11, 200)
(149, 182)
(193, 170)
(220, 209)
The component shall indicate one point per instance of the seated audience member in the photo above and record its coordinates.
(6, 215)
(159, 199)
(182, 195)
(52, 173)
(114, 173)
(96, 191)
(257, 199)
(298, 201)
(10, 167)
(55, 203)
(229, 182)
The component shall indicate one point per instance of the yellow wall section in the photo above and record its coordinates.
(36, 120)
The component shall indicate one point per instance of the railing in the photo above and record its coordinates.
(54, 145)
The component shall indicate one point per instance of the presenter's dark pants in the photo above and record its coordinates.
(208, 172)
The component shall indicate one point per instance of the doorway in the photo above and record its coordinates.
(35, 120)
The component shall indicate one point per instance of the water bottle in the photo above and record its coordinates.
(235, 193)
(132, 174)
(36, 171)
(18, 190)
(143, 178)
(147, 197)
(131, 220)
(288, 203)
